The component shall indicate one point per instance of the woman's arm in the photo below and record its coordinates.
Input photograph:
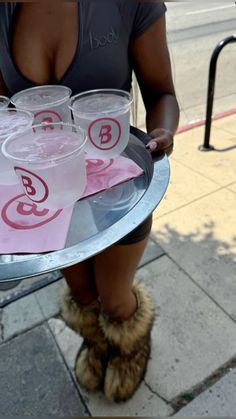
(152, 66)
(3, 88)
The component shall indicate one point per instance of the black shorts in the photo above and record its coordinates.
(139, 233)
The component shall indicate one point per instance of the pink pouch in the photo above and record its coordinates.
(28, 228)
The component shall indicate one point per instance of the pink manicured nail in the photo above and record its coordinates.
(151, 146)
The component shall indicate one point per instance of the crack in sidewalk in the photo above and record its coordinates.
(182, 400)
(155, 392)
(1, 327)
(187, 397)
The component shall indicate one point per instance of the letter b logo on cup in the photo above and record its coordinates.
(34, 186)
(104, 133)
(105, 115)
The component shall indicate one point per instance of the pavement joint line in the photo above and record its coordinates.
(40, 308)
(183, 400)
(28, 290)
(22, 332)
(151, 260)
(68, 368)
(189, 203)
(231, 183)
(1, 328)
(230, 190)
(201, 288)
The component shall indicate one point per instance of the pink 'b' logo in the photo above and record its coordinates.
(34, 186)
(21, 214)
(104, 133)
(47, 115)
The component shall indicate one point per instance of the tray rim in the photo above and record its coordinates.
(51, 261)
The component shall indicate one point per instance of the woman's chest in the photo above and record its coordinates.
(44, 39)
(86, 47)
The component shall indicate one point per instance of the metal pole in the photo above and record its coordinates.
(210, 91)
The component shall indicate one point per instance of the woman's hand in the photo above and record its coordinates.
(151, 63)
(162, 141)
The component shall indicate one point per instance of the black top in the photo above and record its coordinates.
(102, 55)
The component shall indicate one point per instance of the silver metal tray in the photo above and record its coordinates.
(102, 219)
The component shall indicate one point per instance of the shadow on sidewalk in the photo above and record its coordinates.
(209, 261)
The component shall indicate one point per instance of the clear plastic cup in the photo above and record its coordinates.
(49, 161)
(104, 114)
(49, 103)
(4, 102)
(11, 121)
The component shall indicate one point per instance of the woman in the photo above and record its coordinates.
(90, 44)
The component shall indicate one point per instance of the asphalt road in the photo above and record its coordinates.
(193, 31)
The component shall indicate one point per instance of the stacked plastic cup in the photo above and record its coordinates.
(49, 103)
(4, 102)
(49, 161)
(11, 121)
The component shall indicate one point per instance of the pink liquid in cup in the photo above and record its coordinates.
(50, 163)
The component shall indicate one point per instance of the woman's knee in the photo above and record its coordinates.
(120, 310)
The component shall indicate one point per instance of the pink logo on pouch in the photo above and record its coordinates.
(104, 133)
(16, 208)
(97, 165)
(34, 186)
(48, 116)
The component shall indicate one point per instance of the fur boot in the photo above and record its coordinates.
(91, 360)
(129, 348)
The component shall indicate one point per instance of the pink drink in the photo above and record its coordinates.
(105, 117)
(50, 165)
(11, 121)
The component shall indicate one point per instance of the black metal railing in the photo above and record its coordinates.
(210, 91)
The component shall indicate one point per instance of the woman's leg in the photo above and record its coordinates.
(114, 271)
(117, 262)
(80, 279)
(80, 309)
(124, 324)
(126, 318)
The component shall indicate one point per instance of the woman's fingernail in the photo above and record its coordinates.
(151, 146)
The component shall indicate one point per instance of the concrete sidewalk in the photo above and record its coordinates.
(189, 268)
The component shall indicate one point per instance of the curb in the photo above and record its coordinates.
(200, 122)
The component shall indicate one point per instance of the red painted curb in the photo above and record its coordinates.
(200, 122)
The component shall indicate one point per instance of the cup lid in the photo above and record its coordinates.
(38, 97)
(13, 121)
(4, 101)
(36, 144)
(100, 101)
